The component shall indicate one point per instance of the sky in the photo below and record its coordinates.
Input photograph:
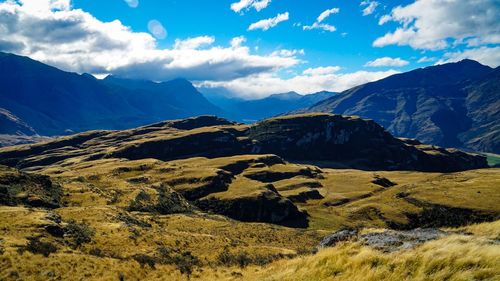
(252, 48)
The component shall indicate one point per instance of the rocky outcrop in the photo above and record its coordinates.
(338, 236)
(390, 241)
(163, 201)
(268, 207)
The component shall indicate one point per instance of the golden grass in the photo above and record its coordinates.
(98, 192)
(457, 257)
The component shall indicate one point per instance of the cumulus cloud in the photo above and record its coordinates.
(486, 55)
(315, 80)
(387, 61)
(322, 70)
(73, 40)
(245, 5)
(323, 26)
(269, 23)
(132, 3)
(370, 7)
(438, 24)
(193, 43)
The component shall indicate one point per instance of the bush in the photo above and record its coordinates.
(36, 246)
(80, 233)
(228, 259)
(145, 260)
(243, 259)
(184, 261)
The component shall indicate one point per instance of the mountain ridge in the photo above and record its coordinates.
(430, 104)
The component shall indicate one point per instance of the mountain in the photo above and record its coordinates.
(253, 110)
(54, 102)
(450, 105)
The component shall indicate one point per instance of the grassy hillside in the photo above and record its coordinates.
(103, 229)
(94, 206)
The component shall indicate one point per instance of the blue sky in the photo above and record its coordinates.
(350, 45)
(252, 48)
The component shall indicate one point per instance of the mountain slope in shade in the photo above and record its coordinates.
(12, 125)
(254, 110)
(54, 102)
(441, 105)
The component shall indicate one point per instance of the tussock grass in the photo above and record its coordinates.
(456, 257)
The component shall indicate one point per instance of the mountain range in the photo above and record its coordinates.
(40, 99)
(254, 110)
(450, 105)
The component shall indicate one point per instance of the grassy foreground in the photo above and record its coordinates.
(111, 232)
(472, 253)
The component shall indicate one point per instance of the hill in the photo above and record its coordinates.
(337, 141)
(450, 105)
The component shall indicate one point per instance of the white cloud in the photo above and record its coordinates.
(426, 59)
(323, 26)
(288, 53)
(327, 13)
(437, 24)
(268, 23)
(485, 55)
(132, 3)
(74, 40)
(322, 70)
(236, 42)
(258, 5)
(383, 19)
(157, 29)
(370, 7)
(265, 84)
(387, 61)
(193, 43)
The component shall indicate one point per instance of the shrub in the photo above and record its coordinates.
(36, 246)
(145, 260)
(184, 261)
(80, 233)
(228, 259)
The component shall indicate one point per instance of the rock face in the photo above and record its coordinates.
(353, 142)
(266, 207)
(450, 105)
(333, 139)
